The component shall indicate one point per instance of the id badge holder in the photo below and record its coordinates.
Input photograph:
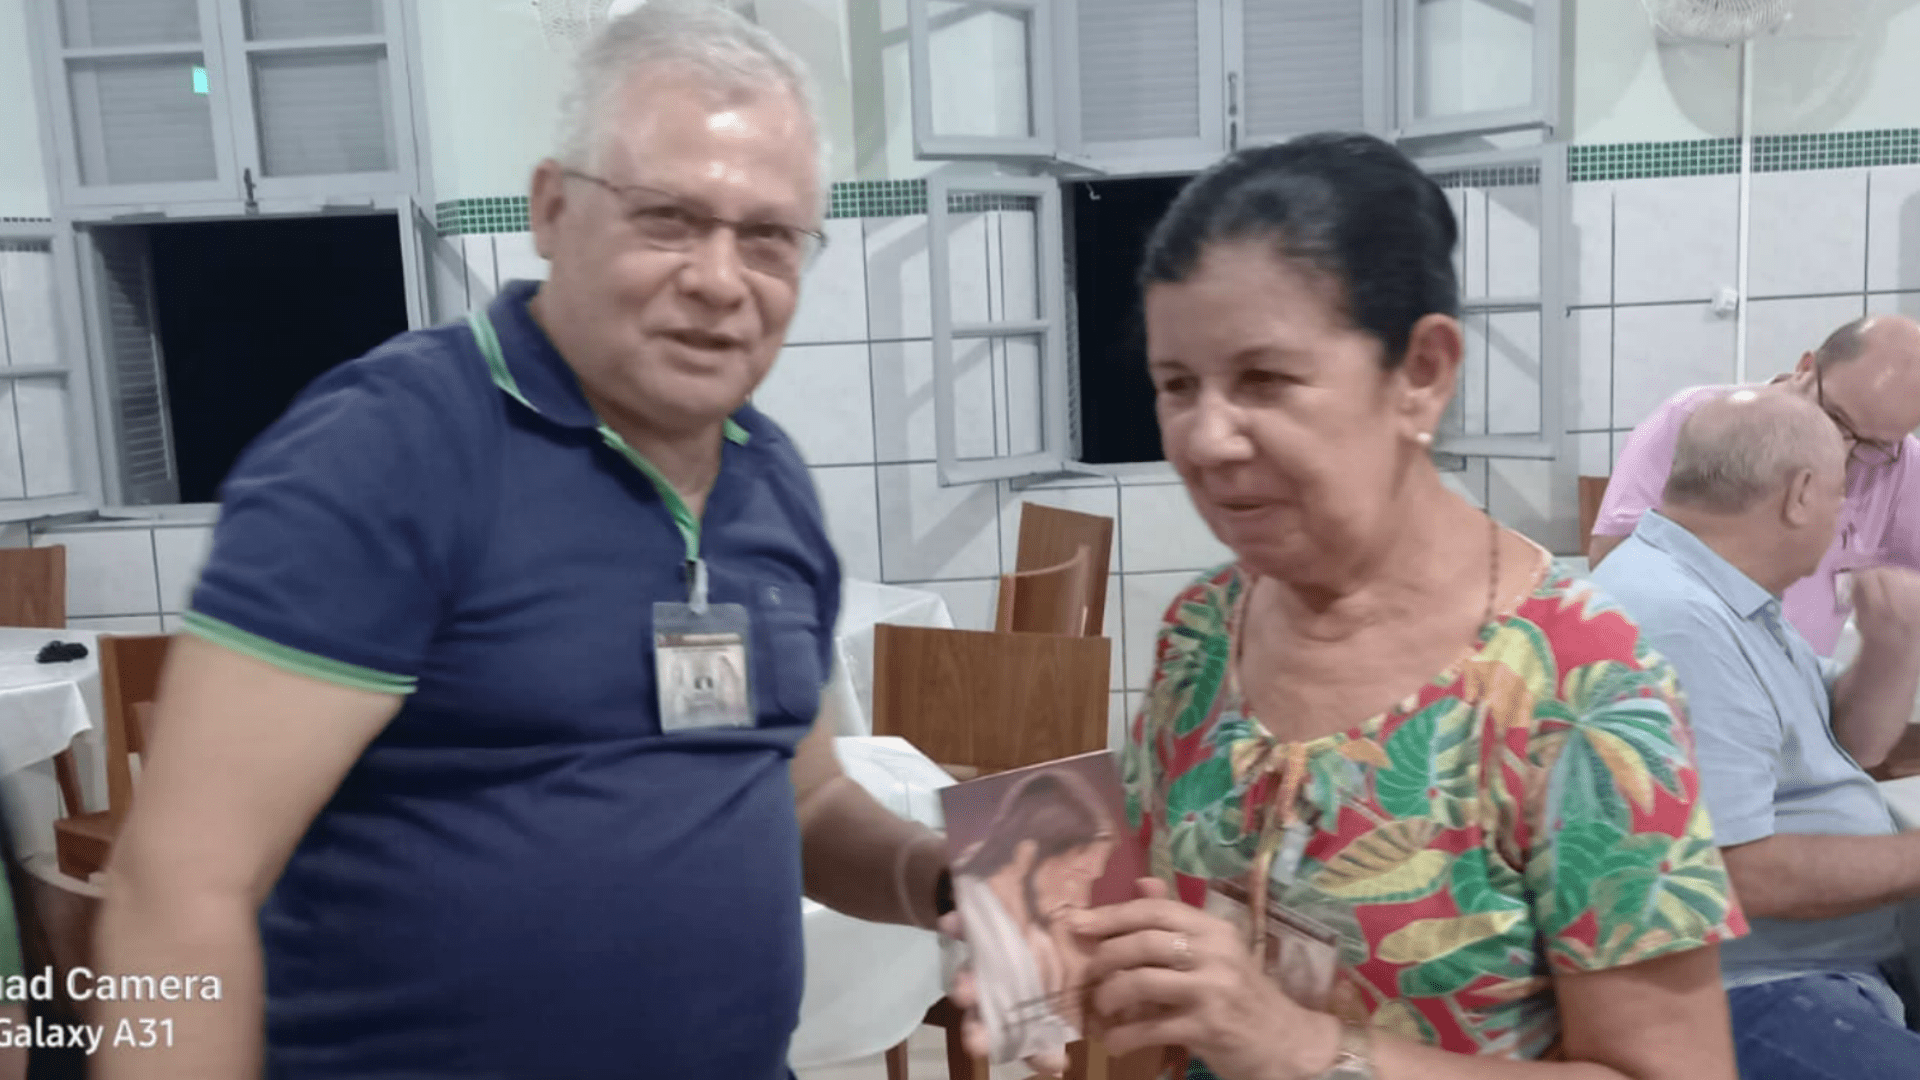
(701, 662)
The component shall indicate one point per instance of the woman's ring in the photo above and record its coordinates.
(1182, 952)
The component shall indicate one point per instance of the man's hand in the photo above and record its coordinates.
(1886, 606)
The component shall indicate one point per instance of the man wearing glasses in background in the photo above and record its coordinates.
(1866, 378)
(491, 750)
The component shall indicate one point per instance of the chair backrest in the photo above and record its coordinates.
(33, 587)
(1050, 536)
(129, 679)
(1593, 490)
(989, 700)
(1056, 600)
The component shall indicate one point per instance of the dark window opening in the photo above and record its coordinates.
(1111, 222)
(250, 312)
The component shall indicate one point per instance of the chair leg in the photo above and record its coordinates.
(67, 774)
(962, 1065)
(897, 1062)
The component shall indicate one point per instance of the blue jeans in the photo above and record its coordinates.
(1818, 1027)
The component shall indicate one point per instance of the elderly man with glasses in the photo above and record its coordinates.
(491, 749)
(1866, 378)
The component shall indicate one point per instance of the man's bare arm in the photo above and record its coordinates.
(243, 756)
(1804, 876)
(859, 858)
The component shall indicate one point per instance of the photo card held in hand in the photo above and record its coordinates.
(1028, 847)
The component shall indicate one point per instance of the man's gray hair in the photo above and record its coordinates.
(1736, 450)
(704, 36)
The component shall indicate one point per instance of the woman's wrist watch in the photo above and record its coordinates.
(1354, 1059)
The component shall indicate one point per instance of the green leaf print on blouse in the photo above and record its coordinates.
(1431, 771)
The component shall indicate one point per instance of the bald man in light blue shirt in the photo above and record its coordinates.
(1782, 737)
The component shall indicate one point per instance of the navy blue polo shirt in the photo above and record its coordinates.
(522, 877)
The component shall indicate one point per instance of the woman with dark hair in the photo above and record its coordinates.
(1047, 845)
(1454, 789)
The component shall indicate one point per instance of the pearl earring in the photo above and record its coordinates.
(1424, 438)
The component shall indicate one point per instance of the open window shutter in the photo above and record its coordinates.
(1476, 67)
(1305, 66)
(1141, 81)
(127, 336)
(982, 76)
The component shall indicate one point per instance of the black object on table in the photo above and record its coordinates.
(61, 652)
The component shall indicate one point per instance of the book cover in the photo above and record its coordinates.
(1027, 847)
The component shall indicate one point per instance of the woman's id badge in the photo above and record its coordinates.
(1298, 952)
(700, 666)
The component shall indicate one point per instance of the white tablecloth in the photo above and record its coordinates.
(848, 696)
(868, 985)
(43, 709)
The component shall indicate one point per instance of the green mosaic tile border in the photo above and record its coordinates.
(26, 221)
(1597, 161)
(1771, 153)
(1505, 176)
(854, 199)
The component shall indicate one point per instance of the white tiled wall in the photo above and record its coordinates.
(35, 451)
(854, 384)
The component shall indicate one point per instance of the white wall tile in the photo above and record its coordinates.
(833, 298)
(1809, 233)
(1893, 228)
(122, 624)
(969, 603)
(109, 571)
(1513, 240)
(903, 401)
(1147, 598)
(1160, 530)
(449, 258)
(1780, 332)
(1588, 377)
(1119, 716)
(1907, 303)
(13, 482)
(848, 502)
(821, 395)
(1472, 212)
(1114, 628)
(46, 447)
(1591, 262)
(1663, 349)
(27, 300)
(1015, 276)
(179, 552)
(483, 274)
(1019, 418)
(172, 624)
(515, 258)
(1513, 373)
(1103, 501)
(1470, 406)
(1538, 498)
(1675, 238)
(898, 286)
(928, 532)
(1592, 453)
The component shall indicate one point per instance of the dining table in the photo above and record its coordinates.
(46, 708)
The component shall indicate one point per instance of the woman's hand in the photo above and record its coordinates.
(1167, 974)
(972, 1032)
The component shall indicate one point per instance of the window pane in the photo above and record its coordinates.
(27, 312)
(100, 23)
(980, 60)
(278, 20)
(142, 121)
(1139, 70)
(46, 453)
(1022, 394)
(13, 482)
(1472, 56)
(1304, 66)
(323, 113)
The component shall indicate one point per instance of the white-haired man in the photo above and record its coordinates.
(487, 753)
(1750, 507)
(1866, 377)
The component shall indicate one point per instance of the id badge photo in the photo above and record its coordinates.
(702, 668)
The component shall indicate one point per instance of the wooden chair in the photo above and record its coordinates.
(994, 701)
(1050, 536)
(1593, 491)
(1056, 600)
(129, 682)
(33, 587)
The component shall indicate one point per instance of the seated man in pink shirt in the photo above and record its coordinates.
(1866, 376)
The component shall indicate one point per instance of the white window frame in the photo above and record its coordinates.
(1049, 328)
(1377, 81)
(930, 144)
(81, 444)
(1139, 157)
(1542, 112)
(1550, 301)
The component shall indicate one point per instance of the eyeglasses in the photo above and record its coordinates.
(1866, 451)
(667, 223)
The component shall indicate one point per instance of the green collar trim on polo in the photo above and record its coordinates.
(337, 672)
(496, 358)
